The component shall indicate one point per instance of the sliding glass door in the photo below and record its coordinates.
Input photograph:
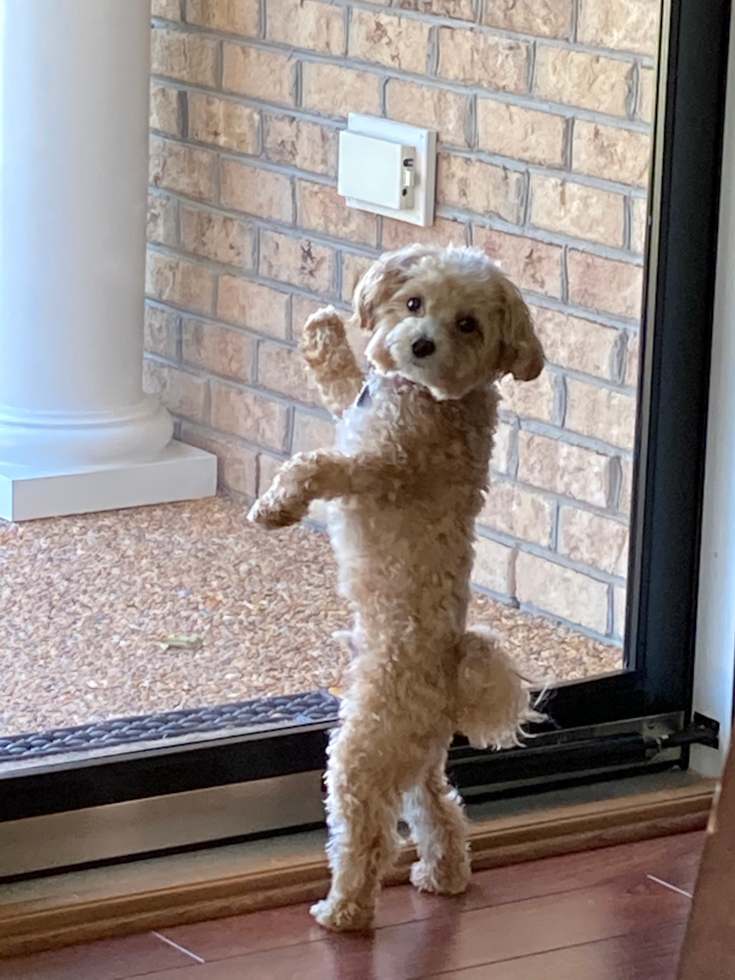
(170, 676)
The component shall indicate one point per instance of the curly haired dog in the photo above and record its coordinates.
(407, 480)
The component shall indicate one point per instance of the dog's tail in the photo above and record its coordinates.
(494, 703)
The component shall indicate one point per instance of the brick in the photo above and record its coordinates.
(626, 487)
(160, 331)
(575, 209)
(453, 9)
(529, 263)
(605, 284)
(517, 512)
(480, 187)
(334, 91)
(224, 123)
(217, 349)
(529, 399)
(217, 237)
(573, 342)
(258, 74)
(161, 227)
(306, 24)
(542, 18)
(561, 592)
(250, 416)
(261, 192)
(283, 369)
(611, 153)
(626, 25)
(493, 568)
(396, 42)
(646, 94)
(174, 280)
(182, 169)
(593, 540)
(237, 466)
(434, 108)
(601, 413)
(586, 80)
(310, 432)
(179, 391)
(568, 470)
(186, 57)
(639, 224)
(320, 208)
(354, 268)
(501, 447)
(631, 361)
(166, 9)
(522, 134)
(233, 16)
(298, 143)
(397, 234)
(164, 114)
(483, 60)
(620, 604)
(296, 260)
(252, 305)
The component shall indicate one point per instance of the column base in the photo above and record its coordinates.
(178, 472)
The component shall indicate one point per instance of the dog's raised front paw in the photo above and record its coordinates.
(440, 881)
(321, 333)
(339, 915)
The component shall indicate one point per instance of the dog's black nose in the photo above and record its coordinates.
(423, 347)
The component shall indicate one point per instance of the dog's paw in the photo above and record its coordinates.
(272, 511)
(321, 333)
(339, 915)
(440, 881)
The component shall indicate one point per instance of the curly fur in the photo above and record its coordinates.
(406, 483)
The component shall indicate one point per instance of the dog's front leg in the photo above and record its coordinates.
(331, 360)
(325, 475)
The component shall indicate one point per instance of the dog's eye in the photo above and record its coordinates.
(467, 324)
(414, 304)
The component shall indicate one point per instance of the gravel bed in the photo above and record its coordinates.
(185, 605)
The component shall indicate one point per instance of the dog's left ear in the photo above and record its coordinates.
(522, 354)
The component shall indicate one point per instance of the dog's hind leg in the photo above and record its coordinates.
(435, 815)
(362, 814)
(332, 361)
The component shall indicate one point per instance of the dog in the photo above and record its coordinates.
(406, 481)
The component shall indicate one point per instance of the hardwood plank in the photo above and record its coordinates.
(240, 935)
(465, 939)
(649, 955)
(111, 959)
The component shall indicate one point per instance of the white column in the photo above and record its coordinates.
(76, 431)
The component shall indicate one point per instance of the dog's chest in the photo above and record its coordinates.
(371, 412)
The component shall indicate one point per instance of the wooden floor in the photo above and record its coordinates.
(612, 914)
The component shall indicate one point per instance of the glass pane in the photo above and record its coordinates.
(544, 115)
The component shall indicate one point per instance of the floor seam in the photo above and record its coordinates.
(181, 949)
(673, 888)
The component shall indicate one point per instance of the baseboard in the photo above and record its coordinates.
(155, 894)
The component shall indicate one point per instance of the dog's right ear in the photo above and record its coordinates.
(383, 278)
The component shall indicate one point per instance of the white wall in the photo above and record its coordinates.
(715, 650)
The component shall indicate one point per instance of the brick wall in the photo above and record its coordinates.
(543, 109)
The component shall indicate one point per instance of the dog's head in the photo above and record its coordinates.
(446, 318)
